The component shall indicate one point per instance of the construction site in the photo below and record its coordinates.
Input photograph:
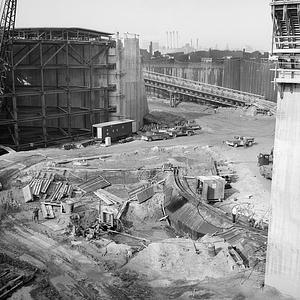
(123, 177)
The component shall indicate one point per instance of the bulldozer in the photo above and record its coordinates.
(265, 164)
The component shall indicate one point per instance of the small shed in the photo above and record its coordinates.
(211, 188)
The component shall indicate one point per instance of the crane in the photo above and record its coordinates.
(7, 25)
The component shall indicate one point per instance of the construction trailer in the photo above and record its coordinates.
(114, 129)
(211, 188)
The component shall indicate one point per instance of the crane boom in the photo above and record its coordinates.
(7, 23)
(7, 26)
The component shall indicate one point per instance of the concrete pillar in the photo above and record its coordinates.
(283, 255)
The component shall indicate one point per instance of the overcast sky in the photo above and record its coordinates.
(235, 23)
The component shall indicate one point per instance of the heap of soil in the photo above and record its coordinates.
(176, 259)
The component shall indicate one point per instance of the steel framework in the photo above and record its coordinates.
(58, 85)
(286, 41)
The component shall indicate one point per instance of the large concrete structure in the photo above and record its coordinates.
(283, 255)
(60, 81)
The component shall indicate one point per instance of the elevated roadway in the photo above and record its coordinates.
(206, 93)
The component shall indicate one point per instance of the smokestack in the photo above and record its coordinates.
(151, 48)
(167, 40)
(177, 39)
(171, 40)
(197, 44)
(174, 43)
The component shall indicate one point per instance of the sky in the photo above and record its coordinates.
(221, 23)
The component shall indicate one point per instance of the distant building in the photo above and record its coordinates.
(157, 54)
(145, 55)
(155, 46)
(151, 48)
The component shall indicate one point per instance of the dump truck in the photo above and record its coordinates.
(238, 141)
(265, 164)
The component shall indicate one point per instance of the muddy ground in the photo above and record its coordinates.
(117, 267)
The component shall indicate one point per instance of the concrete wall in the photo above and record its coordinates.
(283, 255)
(130, 99)
(239, 74)
(211, 73)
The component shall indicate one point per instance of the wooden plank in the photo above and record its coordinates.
(122, 209)
(103, 198)
(64, 161)
(10, 283)
(27, 194)
(132, 193)
(130, 236)
(5, 294)
(93, 184)
(145, 194)
(111, 196)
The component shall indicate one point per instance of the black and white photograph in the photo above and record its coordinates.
(149, 149)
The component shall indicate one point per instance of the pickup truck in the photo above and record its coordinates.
(240, 141)
(191, 124)
(155, 136)
(181, 131)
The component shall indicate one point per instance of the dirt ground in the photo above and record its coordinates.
(166, 266)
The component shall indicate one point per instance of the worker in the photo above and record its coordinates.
(251, 221)
(259, 223)
(36, 214)
(234, 213)
(262, 285)
(128, 255)
(251, 218)
(215, 110)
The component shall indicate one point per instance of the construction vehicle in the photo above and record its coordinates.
(150, 136)
(240, 141)
(265, 163)
(191, 124)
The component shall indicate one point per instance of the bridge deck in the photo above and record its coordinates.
(206, 92)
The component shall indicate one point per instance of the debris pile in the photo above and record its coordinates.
(177, 259)
(15, 274)
(9, 202)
